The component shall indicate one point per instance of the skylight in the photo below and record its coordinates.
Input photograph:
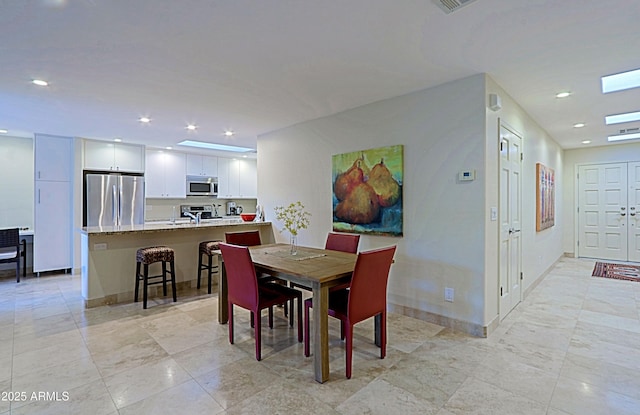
(214, 146)
(621, 137)
(620, 118)
(621, 81)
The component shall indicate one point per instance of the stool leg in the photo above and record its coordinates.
(200, 269)
(145, 285)
(210, 271)
(135, 296)
(173, 281)
(164, 278)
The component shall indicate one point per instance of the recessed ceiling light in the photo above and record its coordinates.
(168, 147)
(145, 120)
(586, 141)
(191, 127)
(117, 140)
(579, 125)
(620, 118)
(40, 82)
(563, 94)
(229, 133)
(214, 146)
(621, 81)
(621, 137)
(3, 131)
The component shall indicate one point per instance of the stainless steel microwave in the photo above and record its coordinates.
(202, 186)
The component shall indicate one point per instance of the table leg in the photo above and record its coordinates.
(223, 311)
(320, 333)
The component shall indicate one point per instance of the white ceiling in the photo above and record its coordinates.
(255, 66)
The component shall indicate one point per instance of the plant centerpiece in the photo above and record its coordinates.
(294, 218)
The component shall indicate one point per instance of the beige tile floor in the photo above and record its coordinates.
(572, 347)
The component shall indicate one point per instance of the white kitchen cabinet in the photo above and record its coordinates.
(53, 189)
(237, 179)
(104, 155)
(52, 238)
(198, 165)
(248, 172)
(53, 158)
(165, 175)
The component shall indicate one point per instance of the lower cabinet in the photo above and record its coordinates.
(52, 240)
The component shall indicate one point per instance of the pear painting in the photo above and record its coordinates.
(367, 191)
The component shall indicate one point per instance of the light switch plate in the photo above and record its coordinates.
(494, 214)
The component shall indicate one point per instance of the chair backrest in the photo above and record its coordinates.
(10, 238)
(242, 284)
(368, 293)
(344, 242)
(247, 238)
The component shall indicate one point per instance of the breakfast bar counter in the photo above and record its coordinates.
(108, 260)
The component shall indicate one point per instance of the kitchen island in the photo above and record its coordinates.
(108, 260)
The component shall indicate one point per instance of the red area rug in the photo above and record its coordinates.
(617, 271)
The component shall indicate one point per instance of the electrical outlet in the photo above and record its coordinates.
(99, 247)
(448, 295)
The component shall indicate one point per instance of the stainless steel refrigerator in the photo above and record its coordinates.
(113, 199)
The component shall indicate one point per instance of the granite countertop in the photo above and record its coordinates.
(166, 226)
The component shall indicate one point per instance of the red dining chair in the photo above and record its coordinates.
(244, 291)
(245, 238)
(343, 242)
(366, 298)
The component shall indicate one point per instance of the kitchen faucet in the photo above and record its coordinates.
(195, 218)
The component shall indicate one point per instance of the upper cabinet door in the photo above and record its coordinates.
(129, 158)
(198, 165)
(248, 179)
(103, 155)
(165, 175)
(53, 158)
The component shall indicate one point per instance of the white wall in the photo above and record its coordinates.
(588, 155)
(442, 129)
(16, 182)
(449, 240)
(540, 249)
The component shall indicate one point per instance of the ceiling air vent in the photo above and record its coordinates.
(449, 6)
(629, 130)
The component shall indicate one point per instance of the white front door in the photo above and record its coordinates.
(634, 212)
(510, 213)
(602, 211)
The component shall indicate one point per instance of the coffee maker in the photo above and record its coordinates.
(231, 208)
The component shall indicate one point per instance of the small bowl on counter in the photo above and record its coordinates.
(248, 217)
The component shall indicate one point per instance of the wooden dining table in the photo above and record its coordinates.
(317, 269)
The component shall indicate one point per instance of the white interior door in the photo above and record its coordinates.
(510, 213)
(602, 211)
(634, 212)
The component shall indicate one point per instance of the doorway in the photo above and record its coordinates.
(510, 217)
(608, 209)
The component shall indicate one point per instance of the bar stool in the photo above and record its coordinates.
(207, 248)
(148, 256)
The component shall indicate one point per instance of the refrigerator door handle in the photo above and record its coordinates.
(114, 202)
(120, 198)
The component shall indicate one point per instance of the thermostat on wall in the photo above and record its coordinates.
(467, 175)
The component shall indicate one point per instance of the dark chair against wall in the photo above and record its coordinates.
(10, 248)
(244, 291)
(366, 298)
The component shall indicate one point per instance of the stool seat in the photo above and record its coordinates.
(150, 255)
(154, 254)
(207, 248)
